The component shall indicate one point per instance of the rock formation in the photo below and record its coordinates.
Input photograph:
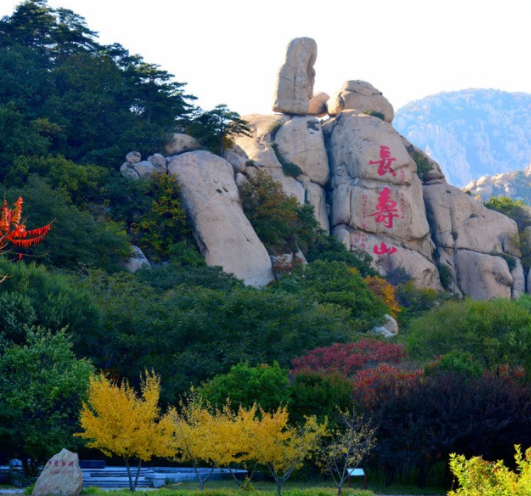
(223, 233)
(363, 97)
(294, 87)
(369, 186)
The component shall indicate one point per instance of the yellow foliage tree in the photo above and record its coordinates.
(205, 434)
(478, 477)
(279, 446)
(385, 291)
(118, 422)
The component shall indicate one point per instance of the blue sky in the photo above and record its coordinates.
(228, 51)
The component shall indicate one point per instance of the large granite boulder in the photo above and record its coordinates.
(467, 236)
(295, 79)
(376, 195)
(61, 476)
(221, 229)
(258, 146)
(300, 141)
(481, 276)
(181, 143)
(460, 222)
(360, 96)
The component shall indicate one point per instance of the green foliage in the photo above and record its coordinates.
(34, 296)
(415, 302)
(165, 222)
(328, 248)
(374, 113)
(493, 332)
(75, 238)
(334, 283)
(280, 222)
(289, 168)
(216, 128)
(45, 385)
(456, 362)
(514, 209)
(265, 385)
(423, 164)
(445, 274)
(64, 93)
(83, 183)
(189, 269)
(478, 477)
(313, 393)
(200, 332)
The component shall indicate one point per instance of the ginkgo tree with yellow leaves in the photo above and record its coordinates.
(206, 434)
(278, 445)
(118, 422)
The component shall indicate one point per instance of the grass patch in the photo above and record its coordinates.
(262, 488)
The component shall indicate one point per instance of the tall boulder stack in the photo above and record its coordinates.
(296, 77)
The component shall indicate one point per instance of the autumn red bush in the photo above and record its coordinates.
(349, 358)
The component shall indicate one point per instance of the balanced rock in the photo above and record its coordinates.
(296, 77)
(61, 476)
(222, 231)
(361, 96)
(181, 143)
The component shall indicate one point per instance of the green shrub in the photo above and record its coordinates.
(423, 164)
(289, 168)
(446, 276)
(374, 113)
(493, 332)
(164, 223)
(478, 477)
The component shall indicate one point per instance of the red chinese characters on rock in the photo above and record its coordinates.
(386, 209)
(59, 467)
(360, 239)
(383, 249)
(384, 165)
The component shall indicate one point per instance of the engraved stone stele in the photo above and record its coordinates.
(296, 77)
(61, 476)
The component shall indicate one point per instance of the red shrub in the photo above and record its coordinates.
(377, 385)
(349, 358)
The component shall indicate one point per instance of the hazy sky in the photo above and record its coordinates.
(229, 51)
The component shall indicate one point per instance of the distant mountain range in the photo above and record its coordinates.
(471, 133)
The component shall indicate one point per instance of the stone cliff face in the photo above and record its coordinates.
(362, 178)
(471, 133)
